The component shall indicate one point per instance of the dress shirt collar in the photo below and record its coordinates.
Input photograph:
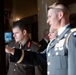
(24, 42)
(46, 40)
(60, 30)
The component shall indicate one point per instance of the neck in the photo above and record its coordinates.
(24, 40)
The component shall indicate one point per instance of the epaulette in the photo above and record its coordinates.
(36, 44)
(74, 34)
(73, 30)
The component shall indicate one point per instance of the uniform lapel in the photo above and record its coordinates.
(59, 37)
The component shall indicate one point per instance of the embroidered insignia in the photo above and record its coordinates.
(59, 45)
(61, 48)
(36, 44)
(29, 44)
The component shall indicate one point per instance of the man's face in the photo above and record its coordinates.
(53, 19)
(52, 34)
(18, 34)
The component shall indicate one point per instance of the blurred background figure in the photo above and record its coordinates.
(42, 69)
(52, 34)
(45, 40)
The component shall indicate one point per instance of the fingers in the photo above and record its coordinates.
(9, 50)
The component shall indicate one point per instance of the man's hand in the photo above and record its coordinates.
(9, 50)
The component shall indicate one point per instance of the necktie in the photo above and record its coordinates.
(20, 45)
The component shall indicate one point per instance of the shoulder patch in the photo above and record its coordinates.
(36, 44)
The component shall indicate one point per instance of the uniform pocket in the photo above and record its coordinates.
(59, 62)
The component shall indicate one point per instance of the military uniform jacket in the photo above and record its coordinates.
(61, 60)
(22, 69)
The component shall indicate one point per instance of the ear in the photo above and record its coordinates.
(60, 15)
(24, 32)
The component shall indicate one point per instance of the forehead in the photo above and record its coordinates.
(16, 29)
(52, 12)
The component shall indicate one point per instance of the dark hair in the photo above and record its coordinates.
(19, 24)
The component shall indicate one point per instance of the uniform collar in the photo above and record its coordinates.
(60, 30)
(24, 42)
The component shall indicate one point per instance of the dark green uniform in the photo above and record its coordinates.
(22, 69)
(61, 58)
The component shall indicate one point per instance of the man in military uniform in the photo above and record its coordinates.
(61, 54)
(21, 41)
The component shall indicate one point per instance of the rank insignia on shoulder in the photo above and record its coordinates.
(74, 34)
(36, 44)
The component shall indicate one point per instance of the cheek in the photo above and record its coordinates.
(19, 35)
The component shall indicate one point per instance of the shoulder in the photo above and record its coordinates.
(36, 44)
(71, 38)
(72, 34)
(42, 41)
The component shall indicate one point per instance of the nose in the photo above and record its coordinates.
(47, 20)
(49, 34)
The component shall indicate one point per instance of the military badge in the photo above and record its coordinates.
(59, 45)
(74, 34)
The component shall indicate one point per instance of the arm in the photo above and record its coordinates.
(26, 57)
(72, 54)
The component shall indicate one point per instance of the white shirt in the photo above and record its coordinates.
(60, 30)
(46, 40)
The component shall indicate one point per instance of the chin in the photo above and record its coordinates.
(16, 40)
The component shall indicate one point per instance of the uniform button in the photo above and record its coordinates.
(48, 54)
(48, 63)
(24, 65)
(56, 53)
(14, 69)
(48, 72)
(56, 49)
(15, 64)
(60, 48)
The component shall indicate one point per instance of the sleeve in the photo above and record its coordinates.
(72, 54)
(28, 57)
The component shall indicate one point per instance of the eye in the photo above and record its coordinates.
(49, 17)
